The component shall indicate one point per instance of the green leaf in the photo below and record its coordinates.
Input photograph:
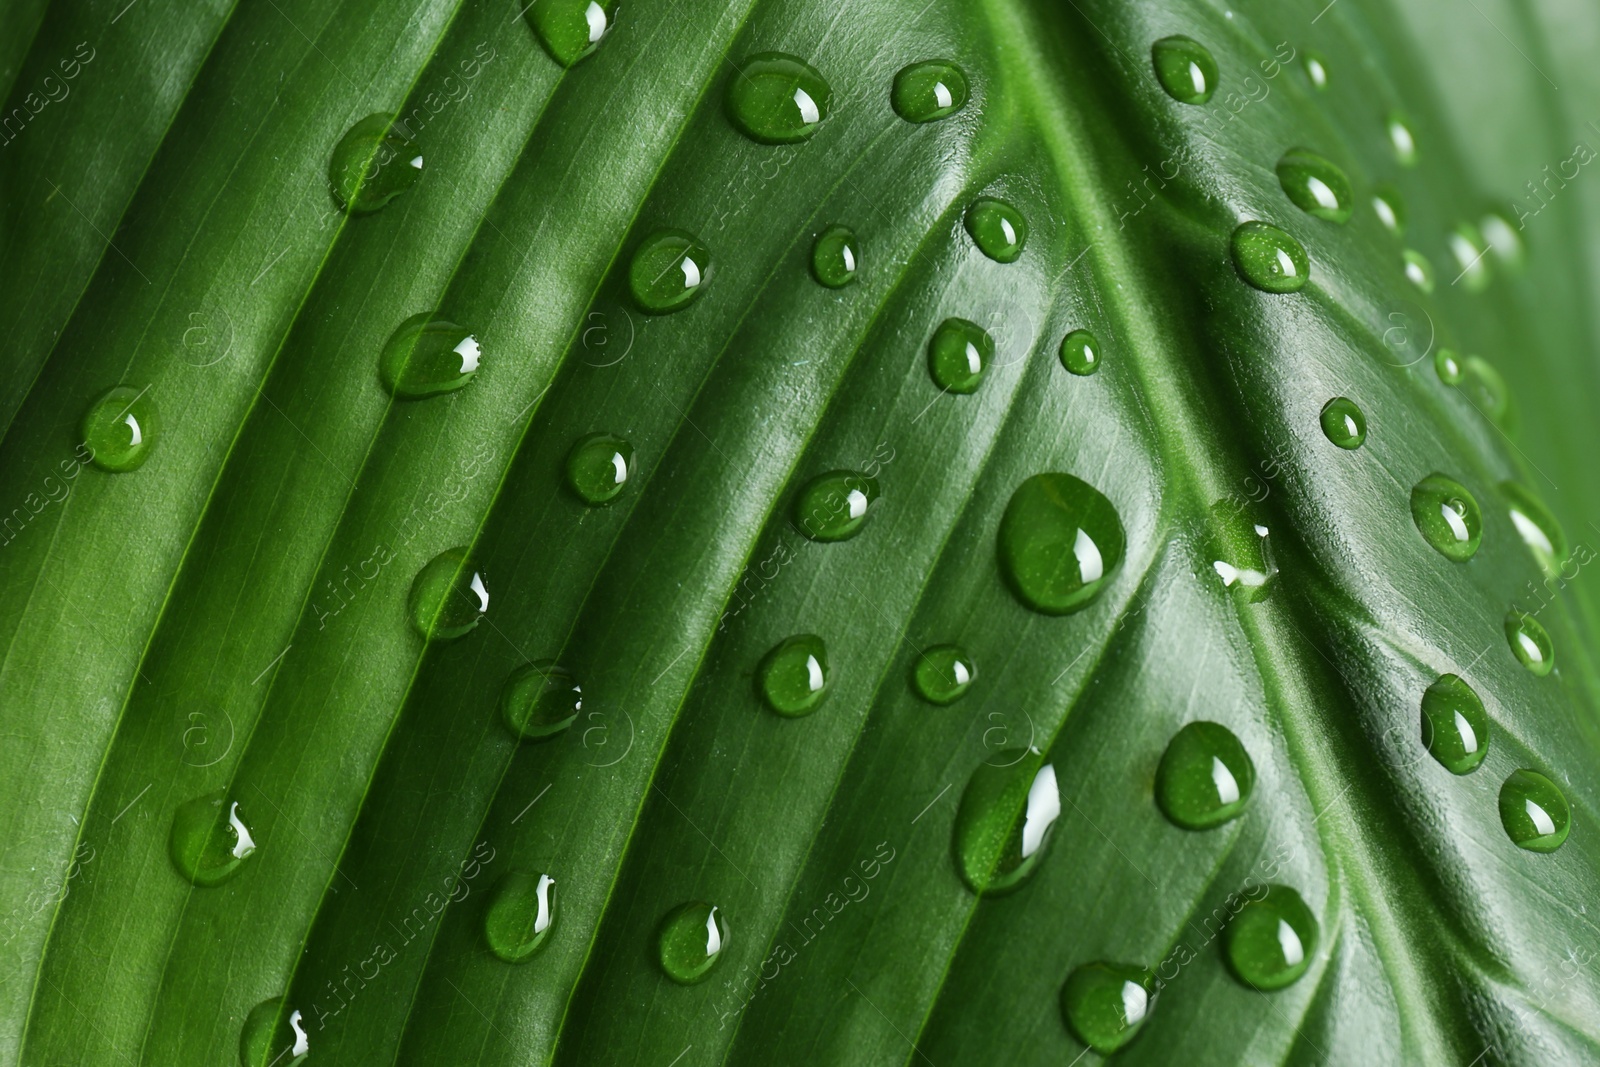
(235, 770)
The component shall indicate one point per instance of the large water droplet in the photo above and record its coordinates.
(776, 98)
(428, 355)
(121, 428)
(1316, 185)
(931, 90)
(263, 1043)
(373, 163)
(793, 676)
(570, 29)
(1400, 138)
(520, 916)
(1534, 812)
(958, 355)
(1269, 259)
(1536, 526)
(997, 228)
(834, 506)
(1455, 727)
(1316, 70)
(1270, 941)
(834, 258)
(1004, 821)
(1059, 542)
(598, 467)
(669, 270)
(1390, 209)
(1106, 1003)
(209, 840)
(1185, 69)
(1417, 269)
(1530, 642)
(1343, 423)
(540, 700)
(1471, 254)
(1205, 777)
(943, 674)
(690, 941)
(1242, 552)
(448, 596)
(1447, 516)
(1080, 352)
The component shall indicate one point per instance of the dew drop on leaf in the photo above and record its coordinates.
(776, 98)
(1455, 726)
(373, 163)
(1270, 941)
(1185, 69)
(835, 257)
(1080, 352)
(1534, 812)
(1530, 642)
(834, 506)
(428, 355)
(1316, 185)
(690, 940)
(1269, 259)
(1536, 526)
(1485, 389)
(669, 270)
(1417, 269)
(260, 1047)
(121, 428)
(1471, 254)
(943, 674)
(1316, 70)
(209, 841)
(1390, 209)
(924, 92)
(997, 228)
(1241, 552)
(540, 700)
(1401, 140)
(1059, 542)
(793, 676)
(1447, 516)
(598, 467)
(1104, 1004)
(959, 353)
(1343, 423)
(520, 915)
(448, 596)
(1003, 823)
(570, 29)
(1447, 364)
(1503, 238)
(1205, 777)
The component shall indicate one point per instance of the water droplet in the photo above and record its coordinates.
(1080, 352)
(1316, 185)
(1316, 70)
(1503, 237)
(1205, 777)
(540, 700)
(428, 355)
(1269, 259)
(1536, 526)
(1447, 516)
(260, 1047)
(373, 163)
(598, 466)
(793, 676)
(209, 840)
(777, 98)
(834, 257)
(1059, 542)
(1243, 552)
(834, 506)
(669, 271)
(1534, 812)
(943, 674)
(1405, 145)
(1485, 389)
(1455, 728)
(1418, 271)
(520, 916)
(931, 90)
(1105, 1003)
(1270, 941)
(1448, 366)
(448, 596)
(1471, 254)
(1530, 642)
(121, 428)
(997, 228)
(958, 355)
(1343, 423)
(690, 941)
(1004, 820)
(570, 29)
(1185, 69)
(1390, 209)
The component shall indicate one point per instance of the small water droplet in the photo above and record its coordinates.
(793, 676)
(598, 466)
(690, 941)
(1004, 821)
(834, 258)
(570, 29)
(1106, 1003)
(428, 355)
(1270, 941)
(121, 428)
(1205, 777)
(209, 840)
(1269, 259)
(1059, 543)
(1390, 209)
(1315, 184)
(1447, 517)
(1485, 389)
(958, 355)
(540, 700)
(997, 228)
(1418, 271)
(1316, 70)
(924, 92)
(668, 271)
(448, 596)
(1448, 366)
(1534, 812)
(943, 674)
(1343, 423)
(1080, 352)
(1185, 69)
(775, 98)
(260, 1047)
(372, 164)
(1471, 253)
(1404, 144)
(520, 916)
(834, 506)
(1455, 727)
(1536, 526)
(1530, 642)
(1504, 239)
